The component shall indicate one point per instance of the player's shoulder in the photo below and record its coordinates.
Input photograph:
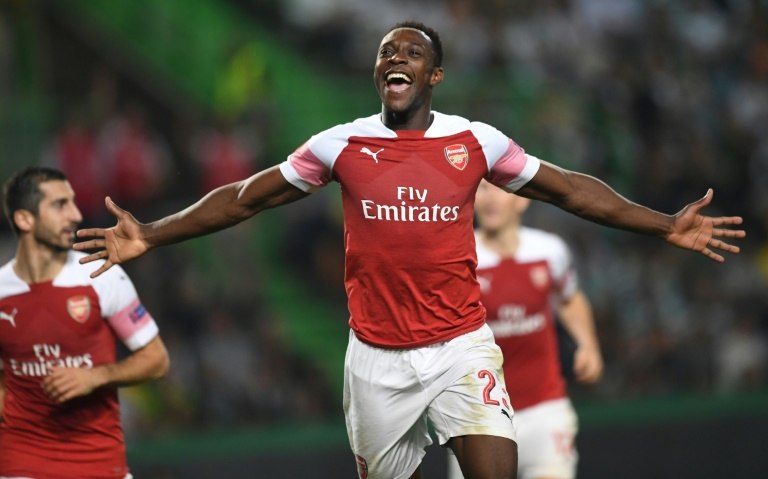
(448, 125)
(75, 274)
(10, 283)
(6, 270)
(537, 244)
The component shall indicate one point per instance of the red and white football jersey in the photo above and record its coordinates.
(72, 321)
(520, 294)
(408, 200)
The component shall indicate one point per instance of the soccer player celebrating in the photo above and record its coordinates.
(419, 350)
(528, 281)
(58, 368)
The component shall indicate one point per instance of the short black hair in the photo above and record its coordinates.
(22, 190)
(437, 45)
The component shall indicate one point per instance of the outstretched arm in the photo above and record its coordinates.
(148, 363)
(591, 199)
(223, 207)
(575, 313)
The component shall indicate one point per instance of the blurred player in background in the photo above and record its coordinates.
(419, 350)
(59, 409)
(528, 282)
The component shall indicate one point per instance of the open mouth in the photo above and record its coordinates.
(397, 81)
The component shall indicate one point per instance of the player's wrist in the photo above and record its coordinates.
(101, 376)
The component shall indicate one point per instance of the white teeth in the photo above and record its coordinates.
(398, 76)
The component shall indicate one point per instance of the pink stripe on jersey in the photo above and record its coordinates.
(130, 320)
(509, 166)
(309, 167)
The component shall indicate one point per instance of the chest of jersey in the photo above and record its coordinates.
(410, 179)
(516, 296)
(53, 326)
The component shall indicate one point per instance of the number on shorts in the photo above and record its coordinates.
(485, 374)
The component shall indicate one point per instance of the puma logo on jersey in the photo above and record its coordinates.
(11, 318)
(370, 153)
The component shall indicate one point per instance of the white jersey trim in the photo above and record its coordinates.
(142, 337)
(292, 177)
(326, 147)
(529, 171)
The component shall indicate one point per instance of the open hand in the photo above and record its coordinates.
(114, 245)
(691, 230)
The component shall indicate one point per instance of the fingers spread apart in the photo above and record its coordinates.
(712, 255)
(90, 244)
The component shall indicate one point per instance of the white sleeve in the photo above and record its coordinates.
(509, 167)
(121, 307)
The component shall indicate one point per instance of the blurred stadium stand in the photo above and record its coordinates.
(660, 100)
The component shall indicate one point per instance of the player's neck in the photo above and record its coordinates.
(38, 263)
(503, 242)
(419, 119)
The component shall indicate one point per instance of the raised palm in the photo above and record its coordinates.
(694, 231)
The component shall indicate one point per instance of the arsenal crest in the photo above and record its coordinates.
(457, 155)
(539, 276)
(79, 308)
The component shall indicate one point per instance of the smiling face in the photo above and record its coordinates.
(57, 217)
(405, 71)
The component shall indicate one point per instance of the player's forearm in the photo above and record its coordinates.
(215, 211)
(223, 207)
(592, 199)
(601, 204)
(148, 363)
(576, 316)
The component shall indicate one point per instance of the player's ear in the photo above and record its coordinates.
(24, 220)
(437, 76)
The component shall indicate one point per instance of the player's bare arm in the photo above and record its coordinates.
(575, 313)
(591, 199)
(223, 207)
(148, 363)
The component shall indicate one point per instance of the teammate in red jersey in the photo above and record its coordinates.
(59, 408)
(526, 276)
(419, 348)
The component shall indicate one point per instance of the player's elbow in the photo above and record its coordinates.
(161, 360)
(163, 367)
(163, 364)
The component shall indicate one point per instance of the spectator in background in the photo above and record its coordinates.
(73, 151)
(742, 354)
(137, 162)
(224, 154)
(228, 363)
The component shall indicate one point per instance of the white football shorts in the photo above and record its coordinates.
(391, 395)
(545, 442)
